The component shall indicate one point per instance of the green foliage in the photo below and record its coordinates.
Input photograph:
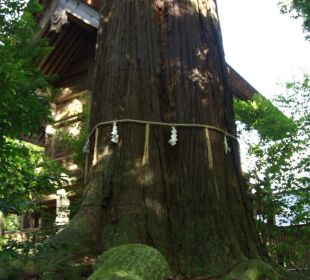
(296, 104)
(14, 268)
(279, 175)
(262, 115)
(298, 9)
(11, 222)
(17, 257)
(25, 92)
(25, 95)
(279, 178)
(74, 143)
(24, 174)
(18, 261)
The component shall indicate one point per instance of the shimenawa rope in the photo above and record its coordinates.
(145, 159)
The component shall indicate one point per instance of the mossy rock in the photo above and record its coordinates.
(131, 262)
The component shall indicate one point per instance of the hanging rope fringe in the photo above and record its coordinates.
(86, 147)
(174, 137)
(226, 147)
(173, 140)
(145, 159)
(95, 157)
(197, 125)
(114, 133)
(210, 158)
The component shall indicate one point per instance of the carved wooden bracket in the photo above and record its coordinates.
(58, 19)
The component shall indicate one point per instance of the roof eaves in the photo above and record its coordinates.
(90, 16)
(239, 86)
(77, 9)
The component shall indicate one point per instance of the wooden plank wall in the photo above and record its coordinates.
(71, 62)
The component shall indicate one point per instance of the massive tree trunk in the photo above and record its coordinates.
(163, 60)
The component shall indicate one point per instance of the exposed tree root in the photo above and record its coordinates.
(252, 270)
(259, 270)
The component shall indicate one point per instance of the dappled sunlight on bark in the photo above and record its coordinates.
(163, 61)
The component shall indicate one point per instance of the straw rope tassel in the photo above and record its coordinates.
(86, 168)
(95, 159)
(210, 159)
(145, 159)
(226, 147)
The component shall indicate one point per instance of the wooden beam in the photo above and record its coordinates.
(46, 19)
(75, 8)
(81, 11)
(239, 86)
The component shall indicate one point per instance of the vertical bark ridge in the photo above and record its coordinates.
(163, 60)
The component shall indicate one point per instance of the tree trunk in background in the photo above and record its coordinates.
(162, 60)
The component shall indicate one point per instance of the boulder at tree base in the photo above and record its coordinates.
(131, 262)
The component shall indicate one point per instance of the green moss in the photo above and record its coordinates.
(131, 262)
(51, 276)
(70, 272)
(118, 234)
(10, 273)
(252, 270)
(15, 267)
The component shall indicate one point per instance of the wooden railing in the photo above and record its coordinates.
(288, 246)
(33, 235)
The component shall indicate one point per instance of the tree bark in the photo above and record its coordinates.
(163, 60)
